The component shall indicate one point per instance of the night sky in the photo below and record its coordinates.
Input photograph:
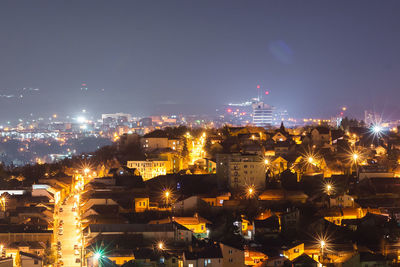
(148, 57)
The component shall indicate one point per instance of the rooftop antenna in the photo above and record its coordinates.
(258, 92)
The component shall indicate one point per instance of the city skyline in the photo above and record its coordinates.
(191, 58)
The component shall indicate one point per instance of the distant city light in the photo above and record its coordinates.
(376, 129)
(81, 119)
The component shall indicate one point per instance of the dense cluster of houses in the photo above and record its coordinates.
(250, 197)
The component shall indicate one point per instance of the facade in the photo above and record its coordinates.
(262, 114)
(232, 256)
(239, 171)
(149, 169)
(30, 260)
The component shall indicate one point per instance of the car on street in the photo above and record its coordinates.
(61, 209)
(59, 253)
(60, 263)
(73, 208)
(77, 260)
(75, 246)
(76, 252)
(60, 232)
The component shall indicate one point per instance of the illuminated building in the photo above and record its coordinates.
(241, 170)
(262, 114)
(149, 169)
(158, 140)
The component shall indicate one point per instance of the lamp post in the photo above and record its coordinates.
(167, 194)
(322, 245)
(355, 157)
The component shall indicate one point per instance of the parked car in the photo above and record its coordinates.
(61, 209)
(76, 252)
(77, 260)
(76, 247)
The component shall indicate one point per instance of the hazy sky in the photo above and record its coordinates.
(148, 56)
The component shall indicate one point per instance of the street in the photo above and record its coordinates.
(70, 255)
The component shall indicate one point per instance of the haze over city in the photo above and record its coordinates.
(191, 57)
(199, 133)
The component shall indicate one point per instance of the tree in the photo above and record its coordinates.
(185, 150)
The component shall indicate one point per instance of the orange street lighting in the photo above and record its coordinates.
(266, 162)
(250, 191)
(355, 156)
(160, 245)
(310, 159)
(86, 171)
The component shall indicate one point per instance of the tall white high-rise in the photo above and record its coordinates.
(262, 114)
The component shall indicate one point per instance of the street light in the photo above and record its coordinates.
(250, 191)
(328, 188)
(167, 195)
(310, 160)
(160, 245)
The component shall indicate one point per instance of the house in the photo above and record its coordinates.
(6, 262)
(336, 216)
(277, 165)
(151, 257)
(254, 257)
(141, 204)
(292, 251)
(279, 137)
(30, 260)
(304, 261)
(344, 201)
(278, 261)
(269, 227)
(321, 135)
(160, 139)
(232, 255)
(196, 224)
(149, 169)
(190, 204)
(211, 255)
(282, 148)
(240, 170)
(283, 195)
(169, 232)
(155, 139)
(371, 259)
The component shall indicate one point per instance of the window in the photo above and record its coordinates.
(35, 262)
(190, 265)
(230, 251)
(296, 250)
